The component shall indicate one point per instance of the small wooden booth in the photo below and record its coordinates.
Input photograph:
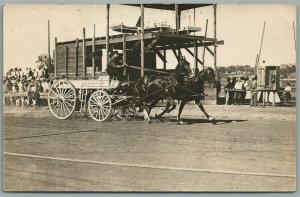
(268, 82)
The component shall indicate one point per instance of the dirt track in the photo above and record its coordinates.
(247, 149)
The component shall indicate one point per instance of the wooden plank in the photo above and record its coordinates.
(161, 56)
(203, 52)
(215, 37)
(142, 41)
(55, 60)
(93, 51)
(66, 61)
(165, 63)
(177, 57)
(76, 57)
(192, 54)
(152, 43)
(83, 54)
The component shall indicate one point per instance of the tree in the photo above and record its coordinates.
(45, 62)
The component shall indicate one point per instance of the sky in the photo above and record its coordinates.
(239, 25)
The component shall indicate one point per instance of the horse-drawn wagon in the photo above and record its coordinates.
(83, 83)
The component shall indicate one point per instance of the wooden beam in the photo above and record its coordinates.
(124, 50)
(215, 37)
(107, 36)
(195, 56)
(83, 55)
(152, 43)
(76, 58)
(255, 67)
(295, 41)
(161, 56)
(165, 63)
(66, 61)
(207, 48)
(192, 54)
(55, 60)
(262, 39)
(177, 18)
(124, 55)
(49, 56)
(177, 57)
(93, 51)
(203, 52)
(142, 41)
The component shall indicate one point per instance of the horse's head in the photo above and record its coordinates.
(183, 68)
(209, 76)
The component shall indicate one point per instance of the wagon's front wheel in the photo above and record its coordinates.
(100, 105)
(61, 99)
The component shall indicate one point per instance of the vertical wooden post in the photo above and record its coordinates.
(273, 101)
(195, 56)
(49, 56)
(76, 58)
(124, 50)
(262, 38)
(263, 98)
(165, 63)
(194, 20)
(55, 60)
(203, 52)
(107, 36)
(66, 61)
(83, 54)
(177, 19)
(215, 37)
(256, 62)
(93, 51)
(295, 37)
(142, 41)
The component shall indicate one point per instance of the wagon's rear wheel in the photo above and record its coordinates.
(61, 99)
(100, 105)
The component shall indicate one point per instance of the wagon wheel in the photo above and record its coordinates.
(100, 105)
(61, 99)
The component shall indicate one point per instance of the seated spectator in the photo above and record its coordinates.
(45, 86)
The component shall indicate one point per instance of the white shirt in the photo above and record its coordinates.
(238, 85)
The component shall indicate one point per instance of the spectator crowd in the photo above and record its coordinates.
(24, 87)
(238, 89)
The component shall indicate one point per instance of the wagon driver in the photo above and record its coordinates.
(115, 67)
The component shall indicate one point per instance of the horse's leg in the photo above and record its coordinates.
(164, 111)
(211, 118)
(146, 115)
(173, 106)
(153, 103)
(182, 104)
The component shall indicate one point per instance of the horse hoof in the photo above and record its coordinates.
(119, 117)
(157, 116)
(181, 123)
(211, 118)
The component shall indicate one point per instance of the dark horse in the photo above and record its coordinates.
(154, 88)
(190, 90)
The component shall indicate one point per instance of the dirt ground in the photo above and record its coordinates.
(246, 149)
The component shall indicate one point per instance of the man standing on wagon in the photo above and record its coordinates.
(115, 67)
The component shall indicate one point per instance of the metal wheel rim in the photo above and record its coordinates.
(62, 99)
(100, 105)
